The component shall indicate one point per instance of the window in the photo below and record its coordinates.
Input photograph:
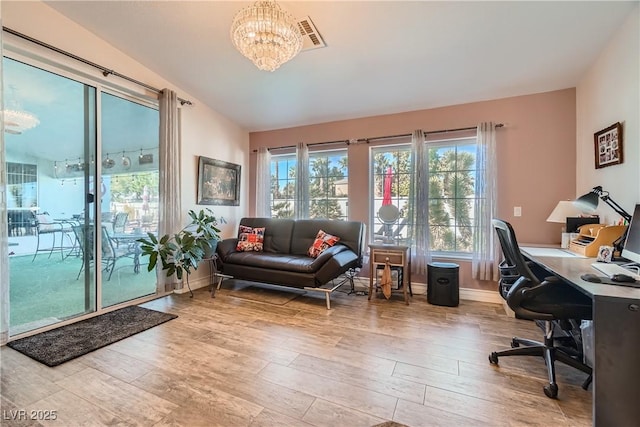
(22, 185)
(283, 181)
(452, 194)
(452, 170)
(328, 185)
(391, 184)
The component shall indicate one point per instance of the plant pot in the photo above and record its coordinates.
(211, 250)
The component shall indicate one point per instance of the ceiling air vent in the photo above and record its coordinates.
(311, 38)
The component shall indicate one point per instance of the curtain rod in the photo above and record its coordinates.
(379, 138)
(105, 71)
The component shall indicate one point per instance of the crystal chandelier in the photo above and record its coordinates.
(266, 34)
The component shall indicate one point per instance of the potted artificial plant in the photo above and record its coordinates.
(181, 253)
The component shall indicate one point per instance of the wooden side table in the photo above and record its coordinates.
(396, 256)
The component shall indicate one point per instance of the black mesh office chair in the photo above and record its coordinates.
(550, 300)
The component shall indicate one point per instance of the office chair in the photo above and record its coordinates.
(549, 300)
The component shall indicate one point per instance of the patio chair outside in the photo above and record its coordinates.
(45, 225)
(111, 253)
(120, 222)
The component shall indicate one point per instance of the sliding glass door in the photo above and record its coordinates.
(50, 144)
(129, 195)
(83, 176)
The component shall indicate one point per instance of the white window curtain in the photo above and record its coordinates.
(301, 208)
(170, 212)
(484, 260)
(419, 204)
(263, 183)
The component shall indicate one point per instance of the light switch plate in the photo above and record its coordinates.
(517, 211)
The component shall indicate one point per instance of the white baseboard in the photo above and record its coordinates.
(480, 295)
(362, 283)
(201, 282)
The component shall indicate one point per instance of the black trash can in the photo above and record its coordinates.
(443, 285)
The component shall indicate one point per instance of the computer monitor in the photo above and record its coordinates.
(573, 222)
(631, 250)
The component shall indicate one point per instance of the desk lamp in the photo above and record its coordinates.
(591, 200)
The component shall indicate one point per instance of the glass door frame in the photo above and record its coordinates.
(44, 59)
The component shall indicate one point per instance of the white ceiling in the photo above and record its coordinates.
(381, 57)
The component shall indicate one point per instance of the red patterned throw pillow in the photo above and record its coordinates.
(250, 239)
(323, 242)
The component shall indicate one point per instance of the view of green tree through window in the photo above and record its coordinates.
(283, 176)
(452, 195)
(328, 185)
(451, 192)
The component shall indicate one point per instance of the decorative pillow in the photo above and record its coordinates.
(323, 242)
(250, 239)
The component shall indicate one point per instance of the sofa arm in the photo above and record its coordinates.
(226, 247)
(327, 254)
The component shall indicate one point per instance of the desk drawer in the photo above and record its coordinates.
(392, 258)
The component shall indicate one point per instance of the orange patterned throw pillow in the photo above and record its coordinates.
(323, 242)
(250, 239)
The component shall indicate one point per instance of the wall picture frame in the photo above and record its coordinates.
(218, 182)
(608, 146)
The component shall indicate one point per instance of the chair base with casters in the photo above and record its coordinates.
(550, 352)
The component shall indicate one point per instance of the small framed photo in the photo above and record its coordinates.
(218, 182)
(608, 146)
(605, 253)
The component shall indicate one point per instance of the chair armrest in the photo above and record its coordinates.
(521, 291)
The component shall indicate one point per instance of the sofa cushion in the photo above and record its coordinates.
(322, 242)
(277, 234)
(250, 239)
(283, 262)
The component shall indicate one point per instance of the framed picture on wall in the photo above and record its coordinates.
(218, 182)
(608, 146)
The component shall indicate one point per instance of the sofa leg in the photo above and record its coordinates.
(327, 293)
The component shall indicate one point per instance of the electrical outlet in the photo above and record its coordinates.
(517, 211)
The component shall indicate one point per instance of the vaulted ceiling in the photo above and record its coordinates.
(381, 57)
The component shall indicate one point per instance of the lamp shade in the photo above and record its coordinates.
(590, 200)
(563, 209)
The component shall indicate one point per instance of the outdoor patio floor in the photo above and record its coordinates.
(47, 290)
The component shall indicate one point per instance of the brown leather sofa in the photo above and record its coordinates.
(284, 260)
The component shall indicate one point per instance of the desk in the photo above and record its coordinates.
(616, 323)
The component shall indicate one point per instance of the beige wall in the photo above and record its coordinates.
(536, 152)
(204, 132)
(610, 93)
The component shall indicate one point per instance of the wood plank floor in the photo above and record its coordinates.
(267, 357)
